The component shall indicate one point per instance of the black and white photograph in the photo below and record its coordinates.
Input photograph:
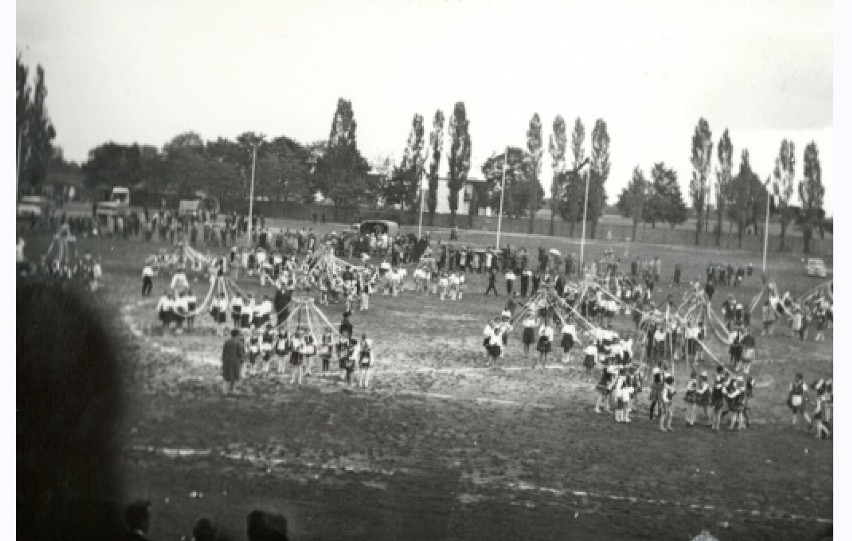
(426, 270)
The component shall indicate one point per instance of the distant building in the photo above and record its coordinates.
(465, 198)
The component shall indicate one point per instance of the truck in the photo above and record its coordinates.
(36, 206)
(120, 195)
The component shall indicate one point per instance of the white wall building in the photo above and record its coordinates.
(465, 195)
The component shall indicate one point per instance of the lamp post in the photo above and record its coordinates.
(766, 226)
(18, 165)
(251, 192)
(502, 193)
(422, 199)
(585, 210)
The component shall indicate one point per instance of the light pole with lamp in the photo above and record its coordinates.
(585, 210)
(766, 225)
(502, 193)
(422, 199)
(251, 192)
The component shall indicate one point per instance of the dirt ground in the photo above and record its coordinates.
(441, 447)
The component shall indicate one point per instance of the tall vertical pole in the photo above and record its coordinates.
(766, 231)
(585, 209)
(18, 165)
(502, 193)
(251, 192)
(422, 199)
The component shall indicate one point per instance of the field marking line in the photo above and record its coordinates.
(257, 459)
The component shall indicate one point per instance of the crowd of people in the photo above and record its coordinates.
(665, 333)
(62, 262)
(662, 333)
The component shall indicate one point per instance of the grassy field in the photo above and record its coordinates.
(441, 447)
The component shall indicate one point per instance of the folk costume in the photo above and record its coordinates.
(545, 342)
(365, 361)
(569, 337)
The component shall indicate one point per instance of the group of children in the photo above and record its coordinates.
(798, 398)
(177, 308)
(270, 350)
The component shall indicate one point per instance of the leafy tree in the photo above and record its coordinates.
(39, 134)
(23, 95)
(725, 152)
(573, 196)
(459, 157)
(342, 170)
(112, 164)
(535, 150)
(289, 171)
(188, 139)
(599, 173)
(631, 201)
(520, 181)
(558, 144)
(783, 185)
(402, 189)
(436, 146)
(812, 193)
(236, 157)
(702, 153)
(746, 192)
(665, 202)
(404, 185)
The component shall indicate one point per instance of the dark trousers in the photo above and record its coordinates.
(509, 287)
(491, 287)
(147, 284)
(655, 405)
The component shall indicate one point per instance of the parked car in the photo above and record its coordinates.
(816, 267)
(26, 210)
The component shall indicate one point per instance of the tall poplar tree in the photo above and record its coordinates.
(459, 157)
(702, 153)
(558, 145)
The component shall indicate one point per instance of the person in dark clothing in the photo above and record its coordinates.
(345, 328)
(232, 360)
(525, 283)
(677, 272)
(280, 303)
(492, 283)
(709, 289)
(536, 282)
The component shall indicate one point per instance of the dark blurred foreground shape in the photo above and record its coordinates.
(68, 401)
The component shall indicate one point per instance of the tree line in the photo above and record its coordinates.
(34, 130)
(741, 199)
(335, 169)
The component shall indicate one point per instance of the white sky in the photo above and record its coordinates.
(146, 70)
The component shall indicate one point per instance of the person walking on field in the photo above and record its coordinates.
(510, 281)
(232, 358)
(797, 398)
(492, 283)
(147, 280)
